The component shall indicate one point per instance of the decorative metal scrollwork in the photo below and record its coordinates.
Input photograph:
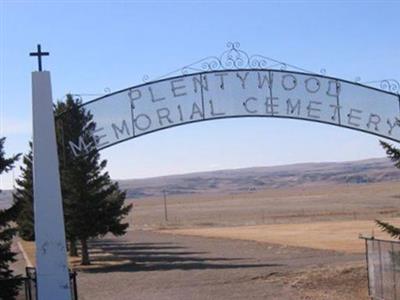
(390, 85)
(232, 58)
(145, 78)
(258, 61)
(235, 58)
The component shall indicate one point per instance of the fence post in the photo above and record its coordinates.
(75, 287)
(28, 282)
(26, 290)
(367, 259)
(380, 268)
(393, 261)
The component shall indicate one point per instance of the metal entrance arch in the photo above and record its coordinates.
(246, 89)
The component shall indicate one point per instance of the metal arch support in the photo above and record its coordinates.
(364, 85)
(358, 106)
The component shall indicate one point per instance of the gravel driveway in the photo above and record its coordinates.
(165, 266)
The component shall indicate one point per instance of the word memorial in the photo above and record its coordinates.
(213, 95)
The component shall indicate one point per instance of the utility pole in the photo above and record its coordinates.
(165, 206)
(131, 216)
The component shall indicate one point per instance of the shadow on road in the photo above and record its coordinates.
(122, 256)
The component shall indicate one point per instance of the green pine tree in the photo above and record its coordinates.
(393, 231)
(394, 154)
(9, 284)
(93, 203)
(23, 199)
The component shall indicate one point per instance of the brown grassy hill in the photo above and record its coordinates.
(259, 178)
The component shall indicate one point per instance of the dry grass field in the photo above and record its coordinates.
(329, 235)
(306, 204)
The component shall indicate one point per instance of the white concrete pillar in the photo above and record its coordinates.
(51, 255)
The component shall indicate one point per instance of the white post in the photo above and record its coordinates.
(51, 255)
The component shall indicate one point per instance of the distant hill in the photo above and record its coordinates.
(248, 179)
(257, 178)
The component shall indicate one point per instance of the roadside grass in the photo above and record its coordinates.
(337, 235)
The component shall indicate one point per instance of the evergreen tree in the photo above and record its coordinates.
(394, 154)
(393, 231)
(9, 284)
(93, 203)
(23, 199)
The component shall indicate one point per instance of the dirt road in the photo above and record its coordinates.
(164, 266)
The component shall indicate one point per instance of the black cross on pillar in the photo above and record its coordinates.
(39, 54)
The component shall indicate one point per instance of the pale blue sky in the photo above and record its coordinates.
(99, 44)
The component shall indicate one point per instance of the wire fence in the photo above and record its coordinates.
(383, 265)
